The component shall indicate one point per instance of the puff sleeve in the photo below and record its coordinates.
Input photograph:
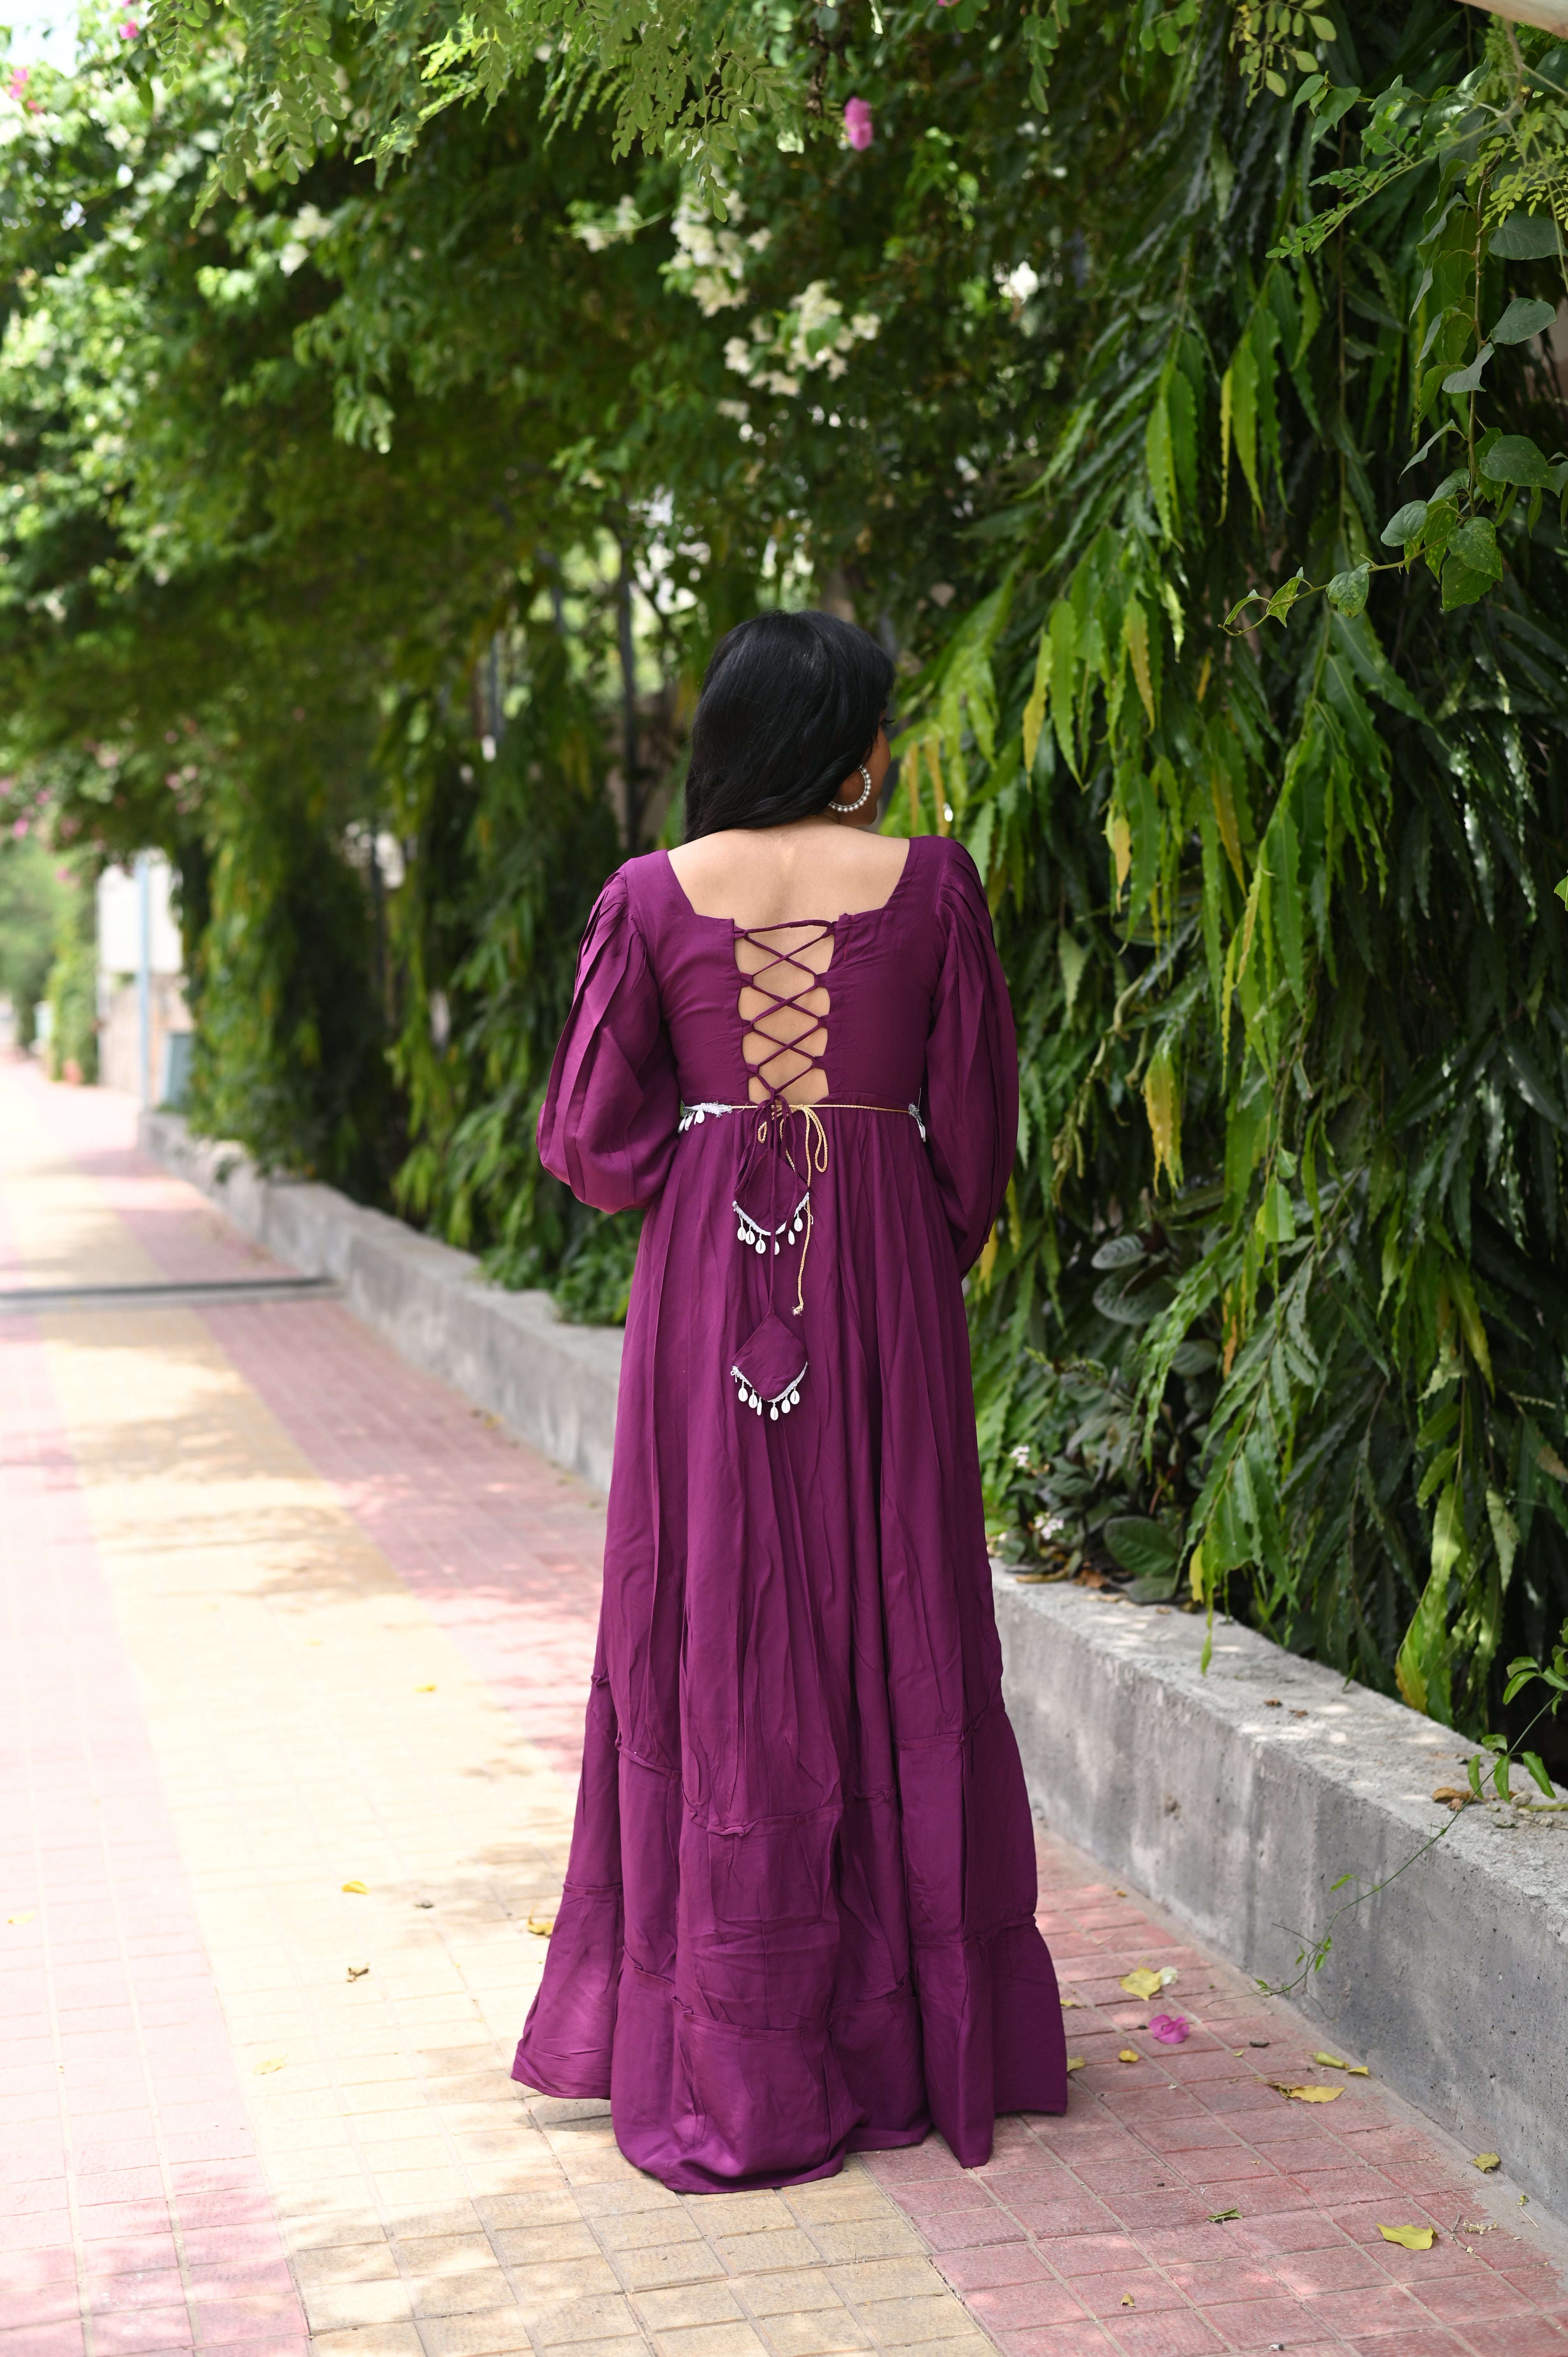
(971, 1063)
(608, 1124)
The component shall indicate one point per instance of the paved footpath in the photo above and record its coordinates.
(290, 1694)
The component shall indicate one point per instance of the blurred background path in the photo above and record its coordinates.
(295, 1653)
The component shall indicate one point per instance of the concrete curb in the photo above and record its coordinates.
(1453, 1985)
(509, 1352)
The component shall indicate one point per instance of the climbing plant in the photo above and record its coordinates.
(1321, 947)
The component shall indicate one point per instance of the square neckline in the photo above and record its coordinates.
(786, 923)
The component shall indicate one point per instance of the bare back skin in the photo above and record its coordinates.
(782, 887)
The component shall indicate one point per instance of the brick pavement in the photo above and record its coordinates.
(290, 1615)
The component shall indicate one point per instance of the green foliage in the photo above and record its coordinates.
(1219, 522)
(31, 897)
(1322, 959)
(71, 991)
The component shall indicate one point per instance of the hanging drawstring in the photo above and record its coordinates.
(816, 1165)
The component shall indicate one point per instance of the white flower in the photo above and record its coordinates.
(739, 355)
(1019, 283)
(608, 229)
(739, 410)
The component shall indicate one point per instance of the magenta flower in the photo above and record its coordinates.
(857, 122)
(1170, 2029)
(129, 30)
(19, 83)
(19, 828)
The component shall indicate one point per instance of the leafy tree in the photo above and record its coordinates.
(1219, 524)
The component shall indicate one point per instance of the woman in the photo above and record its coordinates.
(799, 1915)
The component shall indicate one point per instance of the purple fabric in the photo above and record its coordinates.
(799, 1914)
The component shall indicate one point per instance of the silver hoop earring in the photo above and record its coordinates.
(847, 809)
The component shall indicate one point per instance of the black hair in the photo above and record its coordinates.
(790, 706)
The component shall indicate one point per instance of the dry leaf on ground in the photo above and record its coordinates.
(1075, 2062)
(1128, 2300)
(361, 1889)
(358, 1972)
(1410, 2238)
(273, 2063)
(1068, 2002)
(26, 1916)
(541, 1926)
(1306, 2094)
(1485, 2162)
(1129, 2055)
(425, 1689)
(1222, 2217)
(1144, 1983)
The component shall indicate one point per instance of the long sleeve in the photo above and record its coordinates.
(971, 1065)
(608, 1123)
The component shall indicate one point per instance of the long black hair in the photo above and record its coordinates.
(791, 704)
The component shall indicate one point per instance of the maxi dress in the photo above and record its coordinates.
(799, 1914)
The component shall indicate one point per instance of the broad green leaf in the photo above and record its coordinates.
(1284, 597)
(1475, 545)
(1346, 592)
(1404, 524)
(1525, 237)
(1514, 458)
(1537, 1767)
(1525, 317)
(1468, 380)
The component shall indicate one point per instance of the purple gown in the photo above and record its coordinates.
(799, 1915)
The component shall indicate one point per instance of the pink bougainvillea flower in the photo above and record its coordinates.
(129, 30)
(1170, 2029)
(19, 828)
(857, 122)
(19, 83)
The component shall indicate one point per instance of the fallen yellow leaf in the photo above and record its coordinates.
(1219, 2217)
(1307, 2094)
(1068, 2002)
(1128, 2055)
(1410, 2238)
(1356, 2070)
(1143, 1983)
(360, 1888)
(1485, 2162)
(273, 2063)
(541, 1926)
(1075, 2061)
(1334, 2062)
(425, 1689)
(1128, 2300)
(25, 1917)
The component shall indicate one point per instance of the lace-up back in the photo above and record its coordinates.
(784, 1006)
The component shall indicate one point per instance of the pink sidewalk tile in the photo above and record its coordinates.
(77, 1777)
(1044, 2244)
